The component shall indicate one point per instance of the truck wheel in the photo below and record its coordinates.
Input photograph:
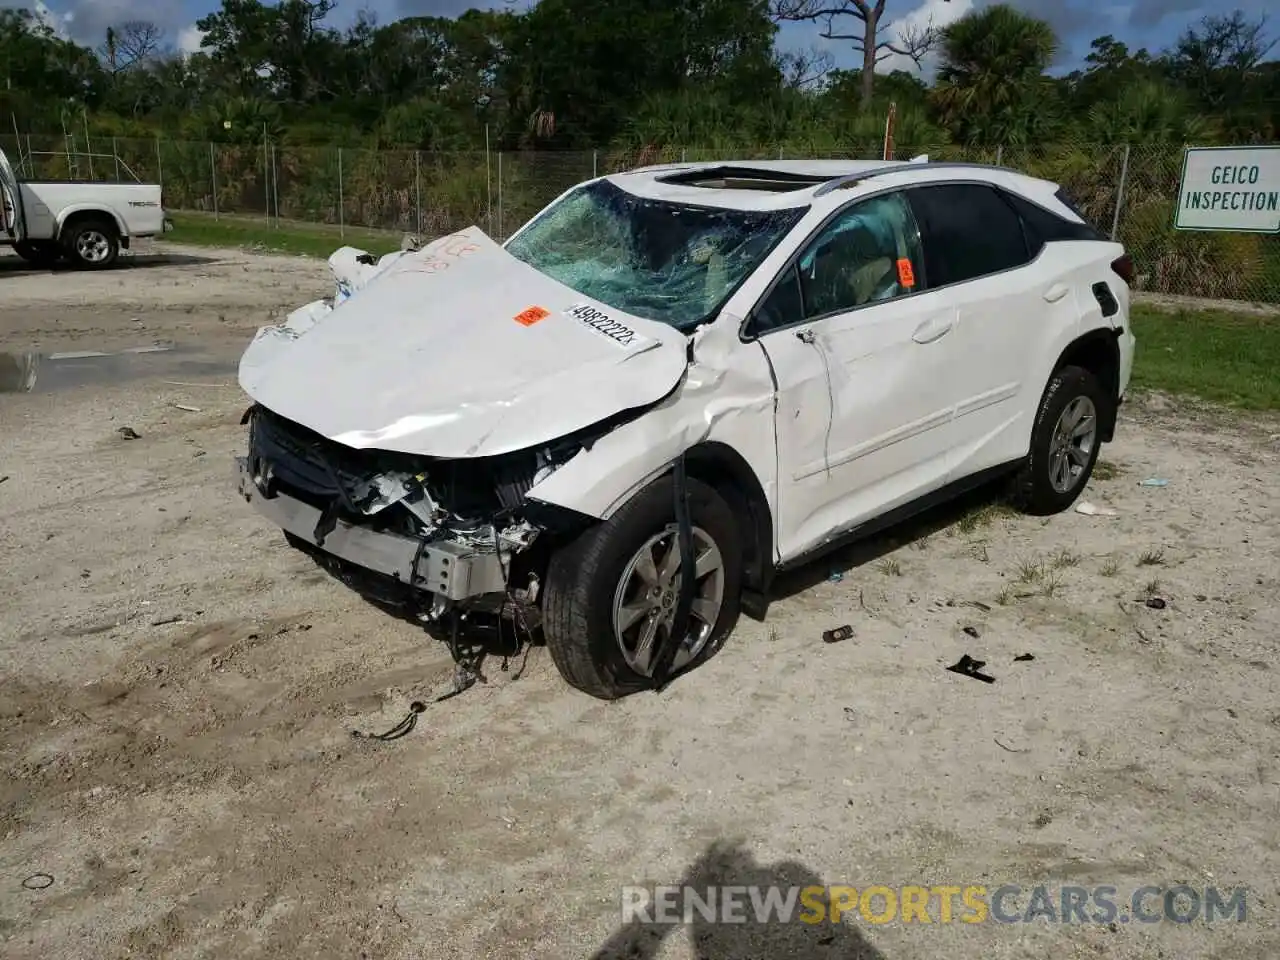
(92, 244)
(1065, 440)
(611, 594)
(37, 252)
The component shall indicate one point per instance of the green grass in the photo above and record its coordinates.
(1227, 358)
(307, 239)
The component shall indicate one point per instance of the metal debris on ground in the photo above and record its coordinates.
(1093, 510)
(966, 666)
(128, 433)
(1153, 482)
(38, 881)
(1023, 658)
(838, 634)
(183, 406)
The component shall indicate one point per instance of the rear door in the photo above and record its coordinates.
(1006, 300)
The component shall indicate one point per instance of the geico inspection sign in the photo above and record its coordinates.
(1230, 188)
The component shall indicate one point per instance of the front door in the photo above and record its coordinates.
(860, 354)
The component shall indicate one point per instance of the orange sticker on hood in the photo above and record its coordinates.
(906, 275)
(531, 315)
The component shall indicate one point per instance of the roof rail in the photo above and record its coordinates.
(840, 183)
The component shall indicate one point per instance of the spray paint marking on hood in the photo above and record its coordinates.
(459, 350)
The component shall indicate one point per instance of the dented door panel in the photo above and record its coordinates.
(864, 415)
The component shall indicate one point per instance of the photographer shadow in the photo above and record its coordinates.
(725, 865)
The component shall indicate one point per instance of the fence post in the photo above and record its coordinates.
(275, 184)
(682, 154)
(488, 181)
(1124, 176)
(159, 167)
(342, 229)
(500, 234)
(116, 156)
(417, 192)
(213, 175)
(999, 154)
(266, 179)
(595, 163)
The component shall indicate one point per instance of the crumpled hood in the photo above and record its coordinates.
(460, 350)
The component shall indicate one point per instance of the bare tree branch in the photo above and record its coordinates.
(130, 43)
(805, 68)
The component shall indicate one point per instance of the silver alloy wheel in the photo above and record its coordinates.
(644, 604)
(93, 246)
(1072, 444)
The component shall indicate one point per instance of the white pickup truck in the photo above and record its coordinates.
(84, 222)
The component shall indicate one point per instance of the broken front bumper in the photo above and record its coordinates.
(446, 569)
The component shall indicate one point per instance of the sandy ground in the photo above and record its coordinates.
(178, 690)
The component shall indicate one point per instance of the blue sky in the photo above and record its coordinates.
(1149, 23)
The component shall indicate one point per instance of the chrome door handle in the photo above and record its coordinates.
(1056, 293)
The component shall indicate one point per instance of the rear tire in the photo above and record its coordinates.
(1065, 440)
(590, 586)
(91, 244)
(39, 253)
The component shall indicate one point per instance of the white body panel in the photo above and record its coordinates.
(44, 206)
(869, 410)
(431, 358)
(135, 207)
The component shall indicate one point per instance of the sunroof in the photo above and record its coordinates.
(744, 178)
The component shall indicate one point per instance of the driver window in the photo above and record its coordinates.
(870, 252)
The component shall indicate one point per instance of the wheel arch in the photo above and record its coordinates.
(81, 212)
(726, 471)
(1098, 351)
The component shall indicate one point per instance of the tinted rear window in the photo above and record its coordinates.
(969, 232)
(1068, 201)
(1044, 226)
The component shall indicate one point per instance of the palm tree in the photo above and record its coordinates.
(1146, 113)
(991, 80)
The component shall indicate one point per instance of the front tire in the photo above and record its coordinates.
(1065, 440)
(610, 593)
(92, 244)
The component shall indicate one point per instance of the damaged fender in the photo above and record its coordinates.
(727, 396)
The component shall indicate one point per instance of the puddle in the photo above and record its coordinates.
(46, 372)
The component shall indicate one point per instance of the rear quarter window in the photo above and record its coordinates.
(1044, 226)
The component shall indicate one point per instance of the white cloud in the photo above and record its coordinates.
(188, 39)
(57, 22)
(940, 12)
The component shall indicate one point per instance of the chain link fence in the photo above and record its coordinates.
(1130, 193)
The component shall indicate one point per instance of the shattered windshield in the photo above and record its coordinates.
(663, 261)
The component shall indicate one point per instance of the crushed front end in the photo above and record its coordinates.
(425, 535)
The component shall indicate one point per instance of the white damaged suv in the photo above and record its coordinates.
(674, 382)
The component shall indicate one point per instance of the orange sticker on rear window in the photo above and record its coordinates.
(906, 276)
(531, 315)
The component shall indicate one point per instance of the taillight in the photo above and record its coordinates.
(1123, 267)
